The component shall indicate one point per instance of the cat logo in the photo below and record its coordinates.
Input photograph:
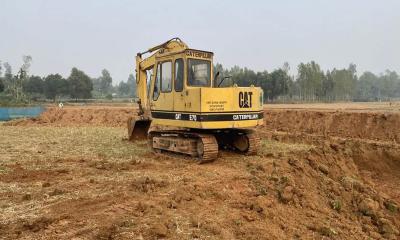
(245, 100)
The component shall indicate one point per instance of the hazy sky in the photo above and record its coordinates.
(97, 34)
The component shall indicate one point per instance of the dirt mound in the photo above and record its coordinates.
(364, 125)
(79, 116)
(378, 126)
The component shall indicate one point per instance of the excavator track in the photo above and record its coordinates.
(210, 148)
(242, 141)
(204, 147)
(254, 143)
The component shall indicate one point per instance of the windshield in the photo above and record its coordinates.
(199, 73)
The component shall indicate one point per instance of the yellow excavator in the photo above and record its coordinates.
(176, 87)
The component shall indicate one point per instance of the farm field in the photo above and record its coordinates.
(325, 171)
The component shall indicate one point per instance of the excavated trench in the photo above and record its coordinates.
(370, 140)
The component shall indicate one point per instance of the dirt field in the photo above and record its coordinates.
(324, 172)
(353, 107)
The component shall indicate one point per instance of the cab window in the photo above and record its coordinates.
(178, 75)
(166, 77)
(156, 90)
(199, 73)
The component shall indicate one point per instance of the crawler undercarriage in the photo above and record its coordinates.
(204, 145)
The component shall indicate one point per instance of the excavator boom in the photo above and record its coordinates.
(138, 126)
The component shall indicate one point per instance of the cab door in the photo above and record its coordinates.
(179, 80)
(162, 97)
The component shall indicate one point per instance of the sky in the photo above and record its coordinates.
(259, 34)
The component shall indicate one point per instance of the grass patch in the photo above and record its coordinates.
(274, 148)
(43, 143)
(391, 206)
(336, 205)
(327, 231)
(2, 169)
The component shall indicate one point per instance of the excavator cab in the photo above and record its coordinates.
(168, 87)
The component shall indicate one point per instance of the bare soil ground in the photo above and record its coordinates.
(345, 106)
(110, 116)
(321, 174)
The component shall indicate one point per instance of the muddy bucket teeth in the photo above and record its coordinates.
(138, 128)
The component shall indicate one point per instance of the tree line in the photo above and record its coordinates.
(312, 84)
(22, 87)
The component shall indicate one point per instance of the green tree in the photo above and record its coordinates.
(310, 78)
(34, 84)
(96, 85)
(263, 80)
(105, 82)
(278, 84)
(8, 75)
(15, 83)
(389, 81)
(27, 63)
(124, 89)
(132, 85)
(1, 85)
(327, 86)
(80, 84)
(367, 87)
(55, 85)
(345, 81)
(1, 79)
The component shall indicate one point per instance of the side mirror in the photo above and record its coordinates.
(223, 80)
(216, 75)
(215, 78)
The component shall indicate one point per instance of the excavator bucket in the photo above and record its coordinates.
(138, 128)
